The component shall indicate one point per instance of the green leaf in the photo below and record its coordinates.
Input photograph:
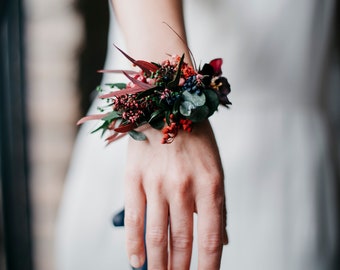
(156, 64)
(136, 135)
(197, 100)
(199, 114)
(99, 89)
(212, 100)
(175, 109)
(156, 114)
(100, 109)
(164, 106)
(156, 119)
(117, 85)
(186, 107)
(104, 127)
(146, 93)
(111, 116)
(157, 123)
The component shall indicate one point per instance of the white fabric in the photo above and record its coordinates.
(273, 143)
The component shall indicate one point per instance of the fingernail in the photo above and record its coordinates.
(134, 261)
(225, 238)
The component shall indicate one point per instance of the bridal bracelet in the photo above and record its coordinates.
(168, 96)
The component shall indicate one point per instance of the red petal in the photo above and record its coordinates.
(216, 64)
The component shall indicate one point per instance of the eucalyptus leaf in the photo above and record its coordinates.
(212, 100)
(197, 100)
(136, 135)
(186, 107)
(199, 114)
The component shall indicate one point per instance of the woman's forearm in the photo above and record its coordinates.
(143, 24)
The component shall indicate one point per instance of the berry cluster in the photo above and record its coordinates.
(192, 85)
(131, 110)
(171, 131)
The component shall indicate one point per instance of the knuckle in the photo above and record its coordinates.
(214, 175)
(182, 188)
(155, 184)
(134, 244)
(181, 242)
(214, 189)
(133, 219)
(156, 237)
(212, 243)
(216, 184)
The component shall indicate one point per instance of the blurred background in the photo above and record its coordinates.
(50, 51)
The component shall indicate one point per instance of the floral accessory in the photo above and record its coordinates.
(169, 96)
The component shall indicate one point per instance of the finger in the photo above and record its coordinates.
(157, 230)
(181, 228)
(134, 222)
(210, 228)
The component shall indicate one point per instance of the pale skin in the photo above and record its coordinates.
(172, 181)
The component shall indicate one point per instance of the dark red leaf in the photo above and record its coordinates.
(137, 82)
(139, 63)
(91, 117)
(125, 128)
(147, 65)
(114, 137)
(125, 91)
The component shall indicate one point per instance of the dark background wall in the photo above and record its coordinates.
(92, 57)
(18, 215)
(15, 213)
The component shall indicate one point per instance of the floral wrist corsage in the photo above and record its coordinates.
(169, 96)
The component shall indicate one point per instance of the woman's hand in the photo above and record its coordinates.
(169, 183)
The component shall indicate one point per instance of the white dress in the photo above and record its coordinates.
(273, 141)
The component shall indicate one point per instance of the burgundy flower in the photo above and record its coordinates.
(223, 90)
(216, 65)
